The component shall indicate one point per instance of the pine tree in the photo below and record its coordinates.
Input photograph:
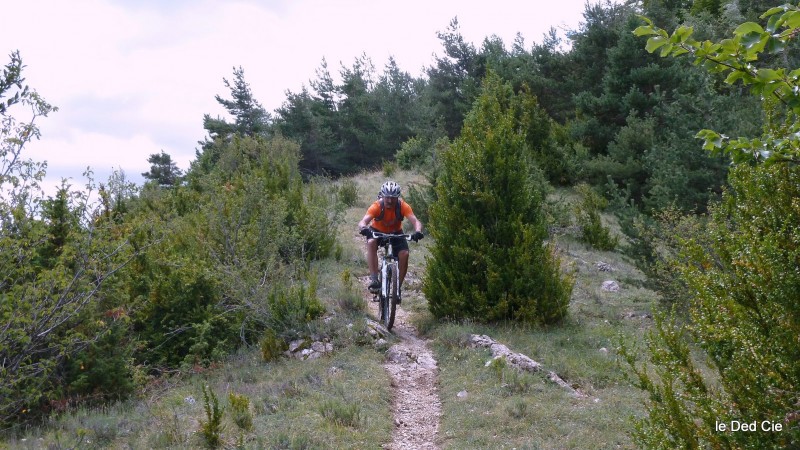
(163, 170)
(489, 261)
(250, 120)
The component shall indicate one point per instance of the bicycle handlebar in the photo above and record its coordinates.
(378, 235)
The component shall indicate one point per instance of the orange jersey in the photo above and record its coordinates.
(390, 223)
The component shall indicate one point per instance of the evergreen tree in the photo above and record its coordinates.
(358, 118)
(454, 81)
(163, 170)
(489, 261)
(250, 119)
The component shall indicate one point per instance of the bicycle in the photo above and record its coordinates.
(388, 294)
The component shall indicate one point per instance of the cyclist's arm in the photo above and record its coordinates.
(365, 221)
(414, 221)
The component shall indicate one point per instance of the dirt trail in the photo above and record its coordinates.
(414, 373)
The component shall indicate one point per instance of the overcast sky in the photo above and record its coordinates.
(134, 77)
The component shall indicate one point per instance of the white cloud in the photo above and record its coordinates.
(133, 78)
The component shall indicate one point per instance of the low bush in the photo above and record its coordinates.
(587, 212)
(240, 411)
(340, 413)
(272, 347)
(348, 192)
(211, 428)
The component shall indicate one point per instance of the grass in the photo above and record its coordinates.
(345, 407)
(344, 400)
(505, 409)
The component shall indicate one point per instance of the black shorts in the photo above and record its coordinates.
(398, 244)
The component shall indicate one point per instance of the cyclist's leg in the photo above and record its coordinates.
(403, 259)
(372, 262)
(372, 256)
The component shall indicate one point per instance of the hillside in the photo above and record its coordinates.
(354, 396)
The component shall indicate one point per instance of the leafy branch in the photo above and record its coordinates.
(738, 58)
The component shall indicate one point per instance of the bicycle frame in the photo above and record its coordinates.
(389, 276)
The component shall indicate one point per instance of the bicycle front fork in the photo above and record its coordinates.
(385, 280)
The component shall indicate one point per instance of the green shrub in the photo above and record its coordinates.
(292, 307)
(350, 299)
(389, 168)
(656, 246)
(414, 153)
(518, 409)
(420, 198)
(339, 413)
(348, 192)
(211, 428)
(103, 370)
(240, 411)
(489, 260)
(180, 320)
(295, 441)
(272, 347)
(744, 315)
(587, 212)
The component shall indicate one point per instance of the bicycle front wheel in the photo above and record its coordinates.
(394, 291)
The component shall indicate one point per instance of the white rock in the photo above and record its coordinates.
(462, 394)
(319, 347)
(604, 267)
(610, 286)
(295, 345)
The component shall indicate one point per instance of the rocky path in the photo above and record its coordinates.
(414, 373)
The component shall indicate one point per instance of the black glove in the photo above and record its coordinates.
(417, 236)
(366, 232)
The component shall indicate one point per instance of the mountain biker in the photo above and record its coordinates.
(386, 216)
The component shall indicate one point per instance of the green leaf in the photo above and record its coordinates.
(791, 19)
(775, 45)
(767, 75)
(682, 34)
(752, 39)
(654, 43)
(734, 76)
(645, 31)
(679, 51)
(747, 28)
(712, 139)
(728, 47)
(770, 88)
(773, 24)
(773, 11)
(645, 19)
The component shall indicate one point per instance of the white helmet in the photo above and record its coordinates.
(390, 189)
